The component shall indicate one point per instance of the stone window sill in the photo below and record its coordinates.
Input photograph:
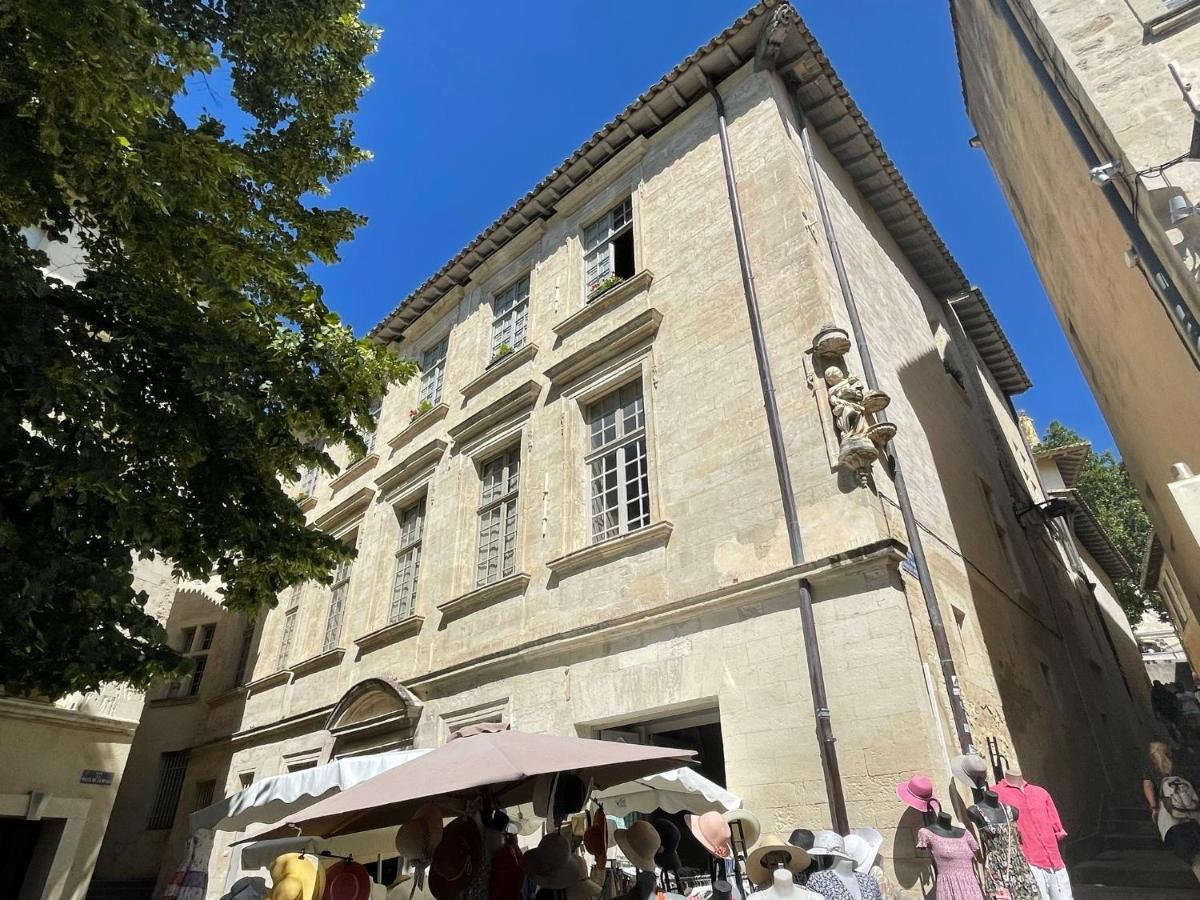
(499, 368)
(307, 503)
(606, 302)
(225, 696)
(512, 586)
(637, 332)
(283, 676)
(321, 661)
(176, 701)
(366, 464)
(388, 634)
(419, 424)
(655, 535)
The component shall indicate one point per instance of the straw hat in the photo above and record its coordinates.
(864, 846)
(829, 844)
(748, 822)
(917, 792)
(347, 880)
(599, 837)
(456, 859)
(549, 865)
(774, 849)
(712, 832)
(970, 769)
(639, 842)
(297, 875)
(418, 837)
(582, 887)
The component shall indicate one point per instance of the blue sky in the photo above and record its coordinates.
(473, 104)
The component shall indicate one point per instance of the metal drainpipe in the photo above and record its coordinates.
(1149, 261)
(945, 657)
(812, 651)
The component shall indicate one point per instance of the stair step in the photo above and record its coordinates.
(1134, 868)
(1111, 892)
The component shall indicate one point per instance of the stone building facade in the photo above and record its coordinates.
(1087, 112)
(573, 522)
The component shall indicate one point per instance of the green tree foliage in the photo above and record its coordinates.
(1105, 486)
(157, 405)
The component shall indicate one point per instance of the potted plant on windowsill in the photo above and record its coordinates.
(423, 407)
(502, 351)
(603, 285)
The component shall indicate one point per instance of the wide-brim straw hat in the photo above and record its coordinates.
(582, 887)
(712, 832)
(639, 842)
(420, 835)
(970, 769)
(864, 845)
(917, 792)
(829, 844)
(797, 860)
(751, 828)
(599, 837)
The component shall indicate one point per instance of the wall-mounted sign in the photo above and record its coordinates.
(96, 776)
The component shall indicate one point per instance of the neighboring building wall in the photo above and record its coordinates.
(1120, 89)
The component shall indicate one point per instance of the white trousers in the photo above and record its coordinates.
(1053, 883)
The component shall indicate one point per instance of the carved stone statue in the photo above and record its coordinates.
(854, 405)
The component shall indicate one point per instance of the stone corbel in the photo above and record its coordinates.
(862, 434)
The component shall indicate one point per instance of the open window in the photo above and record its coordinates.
(608, 257)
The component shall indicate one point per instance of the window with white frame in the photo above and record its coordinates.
(500, 477)
(433, 373)
(338, 595)
(608, 249)
(308, 483)
(510, 322)
(287, 638)
(617, 463)
(408, 562)
(368, 434)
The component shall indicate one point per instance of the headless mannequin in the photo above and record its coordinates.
(945, 827)
(845, 871)
(990, 811)
(783, 885)
(1014, 777)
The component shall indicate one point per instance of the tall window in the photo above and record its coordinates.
(368, 435)
(501, 476)
(510, 325)
(195, 643)
(617, 463)
(433, 373)
(338, 595)
(243, 663)
(288, 636)
(408, 563)
(171, 768)
(308, 484)
(608, 248)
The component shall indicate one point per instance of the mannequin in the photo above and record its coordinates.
(1041, 832)
(990, 811)
(784, 887)
(944, 826)
(844, 868)
(954, 853)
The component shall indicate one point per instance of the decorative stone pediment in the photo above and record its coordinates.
(374, 712)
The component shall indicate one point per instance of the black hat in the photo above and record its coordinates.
(570, 795)
(722, 890)
(667, 857)
(802, 838)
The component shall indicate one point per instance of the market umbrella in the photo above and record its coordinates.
(503, 762)
(674, 791)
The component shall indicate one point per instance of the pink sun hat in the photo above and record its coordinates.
(712, 832)
(917, 792)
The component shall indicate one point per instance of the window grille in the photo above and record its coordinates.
(500, 478)
(408, 563)
(171, 769)
(618, 464)
(510, 308)
(202, 796)
(433, 373)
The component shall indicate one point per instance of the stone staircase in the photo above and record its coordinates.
(1132, 863)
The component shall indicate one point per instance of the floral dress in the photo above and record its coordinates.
(955, 860)
(1006, 872)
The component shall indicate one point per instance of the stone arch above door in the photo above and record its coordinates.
(375, 715)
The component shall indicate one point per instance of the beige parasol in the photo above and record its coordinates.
(502, 763)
